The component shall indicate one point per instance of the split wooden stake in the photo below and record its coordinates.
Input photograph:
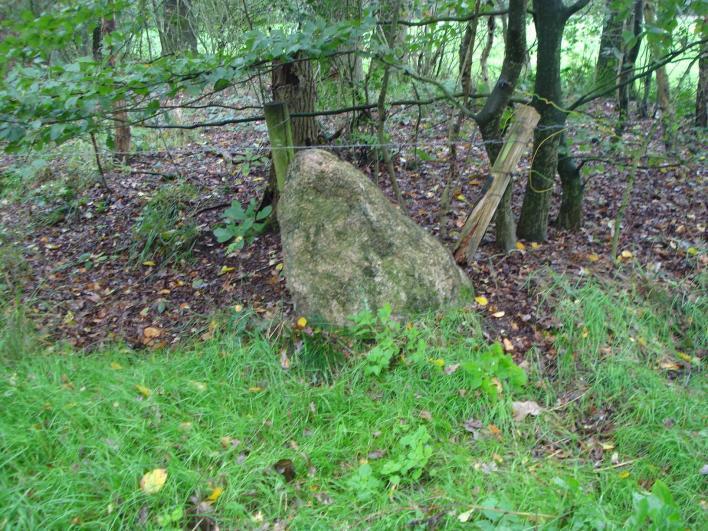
(281, 139)
(477, 222)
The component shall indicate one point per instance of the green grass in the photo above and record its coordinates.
(77, 435)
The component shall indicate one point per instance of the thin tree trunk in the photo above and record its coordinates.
(570, 216)
(663, 91)
(702, 89)
(489, 118)
(607, 65)
(550, 19)
(628, 63)
(483, 60)
(121, 129)
(178, 34)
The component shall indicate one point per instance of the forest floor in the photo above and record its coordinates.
(253, 423)
(87, 286)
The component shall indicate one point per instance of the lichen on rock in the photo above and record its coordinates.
(347, 248)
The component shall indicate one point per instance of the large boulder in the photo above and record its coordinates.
(347, 248)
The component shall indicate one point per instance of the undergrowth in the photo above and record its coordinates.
(296, 429)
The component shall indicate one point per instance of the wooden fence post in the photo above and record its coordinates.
(476, 225)
(281, 139)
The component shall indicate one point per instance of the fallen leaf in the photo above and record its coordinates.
(465, 517)
(143, 390)
(215, 494)
(508, 345)
(593, 257)
(521, 410)
(226, 269)
(255, 389)
(627, 254)
(472, 425)
(481, 300)
(116, 366)
(301, 323)
(450, 369)
(425, 415)
(149, 263)
(520, 246)
(153, 481)
(284, 360)
(238, 308)
(285, 468)
(438, 362)
(535, 245)
(623, 475)
(152, 332)
(499, 314)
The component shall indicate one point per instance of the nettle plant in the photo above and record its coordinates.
(242, 226)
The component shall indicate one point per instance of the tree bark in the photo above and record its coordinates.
(489, 118)
(570, 216)
(484, 59)
(294, 83)
(550, 18)
(177, 34)
(628, 62)
(121, 129)
(607, 65)
(702, 89)
(663, 91)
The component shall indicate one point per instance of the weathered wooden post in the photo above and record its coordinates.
(281, 139)
(476, 225)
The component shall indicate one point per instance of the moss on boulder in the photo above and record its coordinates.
(346, 247)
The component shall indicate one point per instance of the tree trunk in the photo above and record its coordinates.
(628, 62)
(550, 17)
(121, 129)
(607, 65)
(177, 34)
(489, 118)
(702, 90)
(294, 83)
(483, 60)
(570, 216)
(663, 91)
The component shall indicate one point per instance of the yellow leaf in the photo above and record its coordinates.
(149, 263)
(279, 267)
(152, 332)
(255, 389)
(627, 254)
(153, 481)
(215, 494)
(115, 365)
(535, 245)
(238, 308)
(460, 197)
(692, 251)
(143, 390)
(226, 269)
(52, 247)
(499, 314)
(520, 246)
(623, 475)
(301, 323)
(685, 357)
(593, 257)
(481, 300)
(438, 362)
(607, 446)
